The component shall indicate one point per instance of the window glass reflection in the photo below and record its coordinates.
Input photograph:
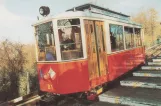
(129, 37)
(70, 39)
(116, 37)
(45, 41)
(137, 37)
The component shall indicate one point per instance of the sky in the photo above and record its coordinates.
(17, 16)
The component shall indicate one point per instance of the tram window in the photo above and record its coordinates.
(129, 37)
(91, 28)
(116, 37)
(71, 42)
(137, 37)
(45, 41)
(103, 43)
(68, 22)
(98, 38)
(86, 26)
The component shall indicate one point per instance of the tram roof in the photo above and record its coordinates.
(83, 11)
(91, 5)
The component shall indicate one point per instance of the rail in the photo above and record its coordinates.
(31, 98)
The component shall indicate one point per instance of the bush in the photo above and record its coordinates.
(13, 71)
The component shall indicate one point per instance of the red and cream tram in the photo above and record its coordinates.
(86, 47)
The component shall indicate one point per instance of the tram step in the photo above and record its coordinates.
(154, 63)
(156, 60)
(147, 73)
(158, 57)
(151, 67)
(132, 96)
(144, 82)
(105, 104)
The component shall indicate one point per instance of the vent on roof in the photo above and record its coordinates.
(100, 10)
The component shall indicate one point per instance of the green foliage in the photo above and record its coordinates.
(23, 84)
(14, 65)
(4, 81)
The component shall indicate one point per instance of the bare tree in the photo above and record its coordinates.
(149, 20)
(153, 18)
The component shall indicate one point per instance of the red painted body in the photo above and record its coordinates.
(72, 77)
(120, 63)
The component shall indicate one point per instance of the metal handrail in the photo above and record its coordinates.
(152, 47)
(153, 51)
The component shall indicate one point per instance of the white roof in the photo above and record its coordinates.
(70, 14)
(85, 14)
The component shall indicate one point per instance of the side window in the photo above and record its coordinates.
(93, 40)
(116, 37)
(91, 27)
(129, 37)
(87, 29)
(98, 38)
(103, 42)
(137, 37)
(70, 39)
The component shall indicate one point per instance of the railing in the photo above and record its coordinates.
(153, 51)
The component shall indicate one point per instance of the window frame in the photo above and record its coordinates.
(36, 42)
(123, 36)
(109, 50)
(81, 25)
(108, 46)
(141, 39)
(129, 27)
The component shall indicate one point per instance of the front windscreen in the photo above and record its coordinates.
(45, 42)
(70, 39)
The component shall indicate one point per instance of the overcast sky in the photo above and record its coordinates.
(17, 16)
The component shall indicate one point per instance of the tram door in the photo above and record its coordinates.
(95, 48)
(101, 49)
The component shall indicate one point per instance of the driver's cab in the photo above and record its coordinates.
(58, 40)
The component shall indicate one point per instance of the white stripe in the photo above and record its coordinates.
(156, 60)
(154, 63)
(150, 68)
